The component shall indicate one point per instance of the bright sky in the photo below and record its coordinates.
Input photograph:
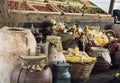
(104, 4)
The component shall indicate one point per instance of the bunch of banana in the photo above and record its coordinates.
(80, 57)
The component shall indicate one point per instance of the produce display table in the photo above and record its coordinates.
(63, 11)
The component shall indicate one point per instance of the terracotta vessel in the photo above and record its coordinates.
(14, 41)
(21, 75)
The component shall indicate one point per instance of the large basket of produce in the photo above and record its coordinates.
(81, 65)
(81, 70)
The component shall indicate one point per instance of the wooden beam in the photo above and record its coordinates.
(4, 6)
(112, 2)
(4, 11)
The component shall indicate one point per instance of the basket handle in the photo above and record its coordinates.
(110, 31)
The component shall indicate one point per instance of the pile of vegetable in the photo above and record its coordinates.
(66, 28)
(69, 8)
(79, 56)
(15, 5)
(73, 1)
(98, 37)
(92, 10)
(84, 9)
(97, 10)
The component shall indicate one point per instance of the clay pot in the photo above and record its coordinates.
(115, 56)
(101, 65)
(100, 51)
(103, 59)
(13, 42)
(21, 75)
(114, 48)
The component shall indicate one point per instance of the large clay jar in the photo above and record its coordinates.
(13, 42)
(101, 65)
(115, 56)
(21, 75)
(103, 59)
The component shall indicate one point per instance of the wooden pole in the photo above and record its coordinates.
(4, 11)
(8, 18)
(112, 2)
(3, 6)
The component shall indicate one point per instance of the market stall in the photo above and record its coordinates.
(67, 47)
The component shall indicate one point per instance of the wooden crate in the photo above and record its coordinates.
(32, 7)
(40, 16)
(80, 9)
(16, 5)
(69, 9)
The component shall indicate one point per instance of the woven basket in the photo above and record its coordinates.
(68, 41)
(81, 70)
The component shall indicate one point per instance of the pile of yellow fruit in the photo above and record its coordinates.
(99, 37)
(79, 56)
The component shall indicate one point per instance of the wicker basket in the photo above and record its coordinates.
(68, 41)
(81, 71)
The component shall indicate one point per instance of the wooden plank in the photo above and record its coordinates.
(58, 2)
(39, 17)
(54, 10)
(32, 12)
(35, 1)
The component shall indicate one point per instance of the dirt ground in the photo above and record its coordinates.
(104, 77)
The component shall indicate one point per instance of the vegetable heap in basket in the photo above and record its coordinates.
(98, 37)
(79, 56)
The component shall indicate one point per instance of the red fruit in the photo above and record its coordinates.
(82, 33)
